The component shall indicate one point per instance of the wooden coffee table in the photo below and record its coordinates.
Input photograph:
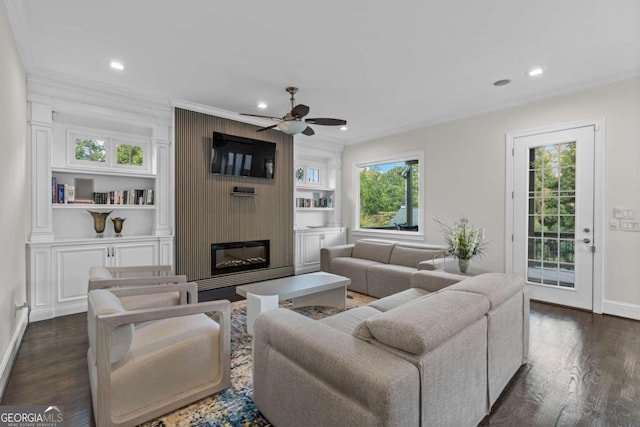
(324, 289)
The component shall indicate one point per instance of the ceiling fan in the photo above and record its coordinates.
(293, 122)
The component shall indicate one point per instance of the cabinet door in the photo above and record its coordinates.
(136, 253)
(311, 249)
(71, 266)
(332, 238)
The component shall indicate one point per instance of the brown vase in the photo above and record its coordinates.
(117, 225)
(99, 220)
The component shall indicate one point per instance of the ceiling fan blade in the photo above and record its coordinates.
(264, 117)
(327, 122)
(308, 131)
(267, 128)
(300, 111)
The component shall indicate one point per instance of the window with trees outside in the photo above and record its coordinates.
(389, 193)
(104, 151)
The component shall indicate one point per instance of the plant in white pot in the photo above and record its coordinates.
(465, 241)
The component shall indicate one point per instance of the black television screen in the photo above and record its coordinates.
(238, 156)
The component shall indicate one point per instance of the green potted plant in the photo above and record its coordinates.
(465, 241)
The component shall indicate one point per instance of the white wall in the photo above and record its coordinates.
(13, 210)
(464, 172)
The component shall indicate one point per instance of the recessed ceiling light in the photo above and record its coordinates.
(117, 65)
(262, 105)
(535, 72)
(502, 82)
(343, 128)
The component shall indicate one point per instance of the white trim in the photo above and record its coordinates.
(622, 309)
(598, 198)
(9, 356)
(384, 234)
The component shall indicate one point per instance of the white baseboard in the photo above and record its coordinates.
(622, 309)
(12, 350)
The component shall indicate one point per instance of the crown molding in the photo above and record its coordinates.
(446, 118)
(60, 88)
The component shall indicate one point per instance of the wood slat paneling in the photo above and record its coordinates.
(207, 213)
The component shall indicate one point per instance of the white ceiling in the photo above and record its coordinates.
(383, 66)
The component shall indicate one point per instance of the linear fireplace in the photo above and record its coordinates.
(239, 256)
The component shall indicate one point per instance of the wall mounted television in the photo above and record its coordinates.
(239, 156)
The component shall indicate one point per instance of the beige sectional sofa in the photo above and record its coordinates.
(380, 268)
(416, 358)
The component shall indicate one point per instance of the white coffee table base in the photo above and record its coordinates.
(323, 289)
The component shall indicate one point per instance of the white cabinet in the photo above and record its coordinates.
(308, 245)
(59, 272)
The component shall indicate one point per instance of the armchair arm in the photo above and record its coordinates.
(332, 365)
(134, 281)
(328, 253)
(156, 270)
(188, 291)
(105, 324)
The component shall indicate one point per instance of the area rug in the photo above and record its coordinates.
(234, 406)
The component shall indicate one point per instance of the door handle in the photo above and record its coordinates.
(585, 240)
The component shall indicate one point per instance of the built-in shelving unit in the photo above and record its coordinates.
(82, 152)
(317, 206)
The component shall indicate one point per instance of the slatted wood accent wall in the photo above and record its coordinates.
(207, 213)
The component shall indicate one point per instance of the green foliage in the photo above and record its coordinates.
(382, 194)
(463, 239)
(129, 155)
(552, 181)
(92, 150)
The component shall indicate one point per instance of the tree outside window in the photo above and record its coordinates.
(92, 150)
(389, 195)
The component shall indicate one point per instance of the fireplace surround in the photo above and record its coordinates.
(233, 257)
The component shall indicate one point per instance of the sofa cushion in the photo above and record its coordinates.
(396, 300)
(353, 268)
(103, 302)
(411, 255)
(497, 287)
(387, 279)
(419, 326)
(374, 250)
(349, 320)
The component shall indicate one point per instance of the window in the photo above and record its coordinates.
(87, 149)
(389, 194)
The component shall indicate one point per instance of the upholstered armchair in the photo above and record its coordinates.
(157, 276)
(145, 363)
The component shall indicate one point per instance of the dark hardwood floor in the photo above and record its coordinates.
(583, 370)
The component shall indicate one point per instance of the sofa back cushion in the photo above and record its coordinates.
(411, 255)
(103, 302)
(497, 287)
(420, 326)
(374, 250)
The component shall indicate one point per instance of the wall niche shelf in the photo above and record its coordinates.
(240, 194)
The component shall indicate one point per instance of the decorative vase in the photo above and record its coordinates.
(99, 219)
(117, 225)
(463, 264)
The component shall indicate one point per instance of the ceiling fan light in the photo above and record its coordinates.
(291, 127)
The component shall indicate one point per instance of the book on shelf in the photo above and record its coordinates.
(124, 197)
(321, 202)
(54, 190)
(69, 193)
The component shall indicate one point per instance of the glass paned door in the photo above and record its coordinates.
(553, 215)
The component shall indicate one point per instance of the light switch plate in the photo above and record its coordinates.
(624, 213)
(629, 225)
(613, 225)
